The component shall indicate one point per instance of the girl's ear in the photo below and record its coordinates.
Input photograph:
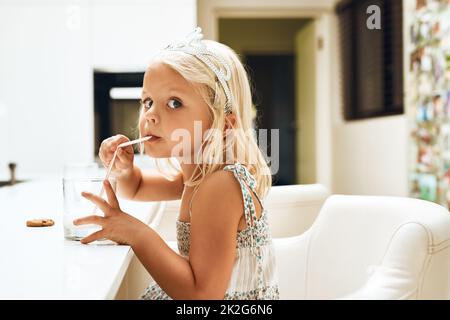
(230, 121)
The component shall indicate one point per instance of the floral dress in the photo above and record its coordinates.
(254, 272)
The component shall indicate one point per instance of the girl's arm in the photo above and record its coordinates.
(214, 224)
(214, 221)
(139, 186)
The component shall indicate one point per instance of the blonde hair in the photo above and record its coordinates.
(243, 146)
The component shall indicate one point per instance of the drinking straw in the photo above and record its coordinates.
(125, 144)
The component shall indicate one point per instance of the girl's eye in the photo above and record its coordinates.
(147, 103)
(174, 103)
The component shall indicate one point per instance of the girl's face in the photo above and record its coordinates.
(170, 103)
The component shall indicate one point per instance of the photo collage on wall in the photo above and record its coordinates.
(429, 102)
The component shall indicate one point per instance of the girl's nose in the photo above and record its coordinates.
(151, 116)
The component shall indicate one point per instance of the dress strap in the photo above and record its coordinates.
(242, 174)
(246, 179)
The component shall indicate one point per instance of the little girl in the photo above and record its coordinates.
(225, 248)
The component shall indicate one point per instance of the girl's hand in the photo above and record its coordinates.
(123, 163)
(116, 225)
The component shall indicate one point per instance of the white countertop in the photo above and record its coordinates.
(38, 263)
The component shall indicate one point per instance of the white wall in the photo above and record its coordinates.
(370, 157)
(48, 50)
(126, 33)
(45, 85)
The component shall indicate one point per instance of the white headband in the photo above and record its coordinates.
(194, 45)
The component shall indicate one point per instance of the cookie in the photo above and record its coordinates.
(40, 223)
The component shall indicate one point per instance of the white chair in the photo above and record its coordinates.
(292, 210)
(369, 247)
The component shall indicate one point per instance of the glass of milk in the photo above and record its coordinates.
(77, 206)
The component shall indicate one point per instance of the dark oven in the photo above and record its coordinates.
(116, 104)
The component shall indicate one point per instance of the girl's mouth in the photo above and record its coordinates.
(152, 138)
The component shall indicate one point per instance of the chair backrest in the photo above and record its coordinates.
(293, 208)
(357, 240)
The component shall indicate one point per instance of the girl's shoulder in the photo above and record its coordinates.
(219, 181)
(225, 186)
(221, 184)
(230, 175)
(218, 197)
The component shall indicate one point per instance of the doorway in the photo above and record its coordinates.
(274, 97)
(270, 50)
